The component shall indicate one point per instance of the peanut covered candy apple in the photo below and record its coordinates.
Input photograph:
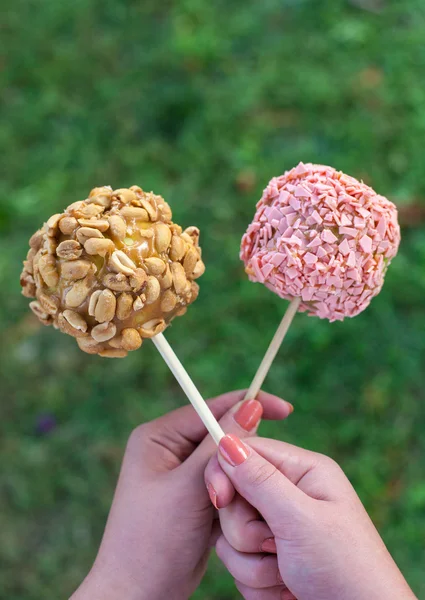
(112, 269)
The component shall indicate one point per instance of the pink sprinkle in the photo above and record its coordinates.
(310, 258)
(368, 265)
(307, 294)
(315, 215)
(349, 306)
(366, 243)
(353, 274)
(266, 270)
(363, 212)
(315, 242)
(348, 231)
(296, 204)
(300, 169)
(301, 192)
(295, 240)
(283, 225)
(257, 271)
(292, 272)
(385, 245)
(351, 260)
(291, 218)
(332, 280)
(344, 247)
(284, 197)
(322, 188)
(275, 214)
(277, 259)
(331, 202)
(287, 233)
(382, 226)
(328, 236)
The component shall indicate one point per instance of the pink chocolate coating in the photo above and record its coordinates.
(323, 236)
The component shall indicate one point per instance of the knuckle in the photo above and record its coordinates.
(328, 463)
(259, 475)
(236, 536)
(137, 436)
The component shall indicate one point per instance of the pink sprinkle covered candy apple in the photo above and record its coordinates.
(324, 237)
(323, 240)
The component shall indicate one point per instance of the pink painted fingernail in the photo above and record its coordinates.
(233, 450)
(249, 414)
(213, 495)
(269, 545)
(291, 408)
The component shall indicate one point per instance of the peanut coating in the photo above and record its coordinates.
(112, 269)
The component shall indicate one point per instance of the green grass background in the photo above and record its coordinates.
(203, 102)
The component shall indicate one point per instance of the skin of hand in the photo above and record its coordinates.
(320, 542)
(161, 525)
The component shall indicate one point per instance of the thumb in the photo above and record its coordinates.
(259, 481)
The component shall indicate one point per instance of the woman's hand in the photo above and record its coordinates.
(157, 538)
(296, 528)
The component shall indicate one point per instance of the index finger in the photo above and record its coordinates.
(272, 408)
(187, 424)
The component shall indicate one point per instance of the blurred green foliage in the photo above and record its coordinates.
(203, 102)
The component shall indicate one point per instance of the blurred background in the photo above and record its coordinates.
(203, 102)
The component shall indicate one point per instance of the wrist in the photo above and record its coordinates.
(105, 586)
(391, 586)
(97, 586)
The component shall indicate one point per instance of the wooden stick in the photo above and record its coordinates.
(188, 387)
(272, 350)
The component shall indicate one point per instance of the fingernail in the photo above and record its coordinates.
(291, 408)
(269, 545)
(213, 495)
(233, 450)
(249, 414)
